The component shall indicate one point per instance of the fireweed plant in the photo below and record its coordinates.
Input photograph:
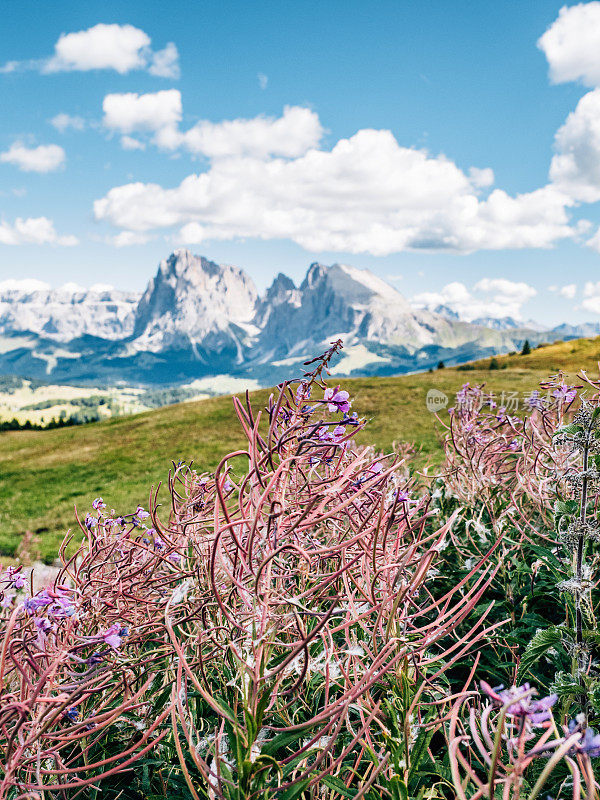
(308, 621)
(509, 470)
(279, 629)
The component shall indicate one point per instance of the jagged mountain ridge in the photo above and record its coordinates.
(68, 312)
(197, 317)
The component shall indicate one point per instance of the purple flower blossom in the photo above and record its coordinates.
(337, 400)
(534, 401)
(98, 504)
(90, 522)
(62, 607)
(303, 392)
(114, 635)
(141, 514)
(324, 434)
(402, 496)
(536, 711)
(7, 600)
(40, 600)
(15, 575)
(514, 445)
(565, 393)
(590, 743)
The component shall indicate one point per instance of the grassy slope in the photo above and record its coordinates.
(44, 474)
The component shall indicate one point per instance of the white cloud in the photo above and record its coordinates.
(367, 195)
(572, 44)
(490, 297)
(165, 63)
(568, 291)
(575, 168)
(128, 239)
(290, 135)
(159, 114)
(63, 122)
(122, 48)
(263, 80)
(594, 242)
(591, 297)
(129, 143)
(45, 158)
(152, 112)
(119, 47)
(481, 177)
(33, 230)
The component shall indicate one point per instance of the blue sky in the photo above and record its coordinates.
(417, 142)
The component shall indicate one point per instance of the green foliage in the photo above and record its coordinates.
(539, 645)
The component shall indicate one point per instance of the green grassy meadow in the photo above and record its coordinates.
(45, 474)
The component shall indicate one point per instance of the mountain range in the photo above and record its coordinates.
(198, 318)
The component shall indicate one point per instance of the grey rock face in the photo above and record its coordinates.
(197, 317)
(193, 302)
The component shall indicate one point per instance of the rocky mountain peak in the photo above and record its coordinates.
(194, 301)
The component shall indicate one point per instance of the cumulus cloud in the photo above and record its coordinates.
(594, 241)
(45, 158)
(159, 114)
(165, 63)
(62, 122)
(568, 291)
(572, 44)
(138, 113)
(271, 178)
(591, 297)
(490, 297)
(33, 230)
(290, 136)
(575, 168)
(129, 238)
(122, 48)
(366, 195)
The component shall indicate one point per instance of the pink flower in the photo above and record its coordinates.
(337, 400)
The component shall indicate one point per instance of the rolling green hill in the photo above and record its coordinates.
(44, 474)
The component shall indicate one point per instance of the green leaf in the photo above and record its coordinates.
(542, 642)
(280, 741)
(568, 430)
(340, 787)
(294, 791)
(416, 754)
